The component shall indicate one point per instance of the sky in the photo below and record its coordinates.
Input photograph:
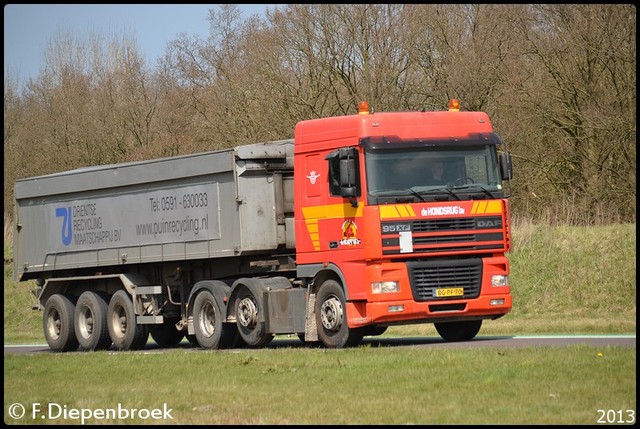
(28, 28)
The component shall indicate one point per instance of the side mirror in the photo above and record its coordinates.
(349, 191)
(506, 169)
(347, 173)
(343, 168)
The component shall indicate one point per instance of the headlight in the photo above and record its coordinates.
(499, 280)
(384, 287)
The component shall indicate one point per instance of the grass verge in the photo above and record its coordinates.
(408, 385)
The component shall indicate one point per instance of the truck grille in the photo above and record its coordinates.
(427, 276)
(446, 235)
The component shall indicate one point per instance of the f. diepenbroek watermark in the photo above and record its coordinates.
(52, 411)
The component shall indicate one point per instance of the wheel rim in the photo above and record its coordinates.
(119, 321)
(247, 312)
(53, 324)
(331, 313)
(207, 319)
(85, 322)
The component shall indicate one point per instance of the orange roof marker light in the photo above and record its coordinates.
(454, 105)
(363, 108)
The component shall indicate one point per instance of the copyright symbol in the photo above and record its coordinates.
(16, 411)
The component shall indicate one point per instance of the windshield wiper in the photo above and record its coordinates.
(474, 185)
(392, 192)
(416, 193)
(444, 188)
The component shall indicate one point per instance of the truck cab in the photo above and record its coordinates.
(394, 244)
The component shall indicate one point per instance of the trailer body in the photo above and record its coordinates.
(202, 206)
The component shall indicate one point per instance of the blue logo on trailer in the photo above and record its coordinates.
(65, 214)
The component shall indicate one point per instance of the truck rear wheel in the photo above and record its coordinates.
(57, 323)
(248, 308)
(125, 333)
(208, 322)
(331, 317)
(458, 331)
(90, 321)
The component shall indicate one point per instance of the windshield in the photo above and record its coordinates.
(432, 172)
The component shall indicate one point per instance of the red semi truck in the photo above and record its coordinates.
(360, 222)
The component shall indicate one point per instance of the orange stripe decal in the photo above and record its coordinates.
(312, 215)
(393, 211)
(486, 207)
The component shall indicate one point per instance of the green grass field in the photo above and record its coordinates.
(365, 385)
(565, 280)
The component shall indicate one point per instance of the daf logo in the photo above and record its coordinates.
(482, 223)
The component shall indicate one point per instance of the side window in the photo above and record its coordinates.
(334, 176)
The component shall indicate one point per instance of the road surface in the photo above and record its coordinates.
(427, 342)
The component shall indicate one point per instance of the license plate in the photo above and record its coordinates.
(452, 291)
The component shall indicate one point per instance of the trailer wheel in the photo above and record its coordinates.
(125, 333)
(208, 323)
(331, 317)
(248, 307)
(57, 323)
(90, 321)
(166, 335)
(458, 331)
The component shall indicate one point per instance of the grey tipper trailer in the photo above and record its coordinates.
(119, 251)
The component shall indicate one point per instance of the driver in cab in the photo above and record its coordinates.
(436, 169)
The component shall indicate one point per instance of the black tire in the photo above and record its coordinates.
(124, 331)
(208, 322)
(458, 331)
(90, 321)
(248, 307)
(237, 342)
(331, 317)
(166, 335)
(57, 323)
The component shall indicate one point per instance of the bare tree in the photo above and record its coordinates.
(558, 81)
(582, 96)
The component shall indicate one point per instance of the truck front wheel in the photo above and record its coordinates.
(90, 321)
(125, 333)
(58, 324)
(331, 317)
(458, 331)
